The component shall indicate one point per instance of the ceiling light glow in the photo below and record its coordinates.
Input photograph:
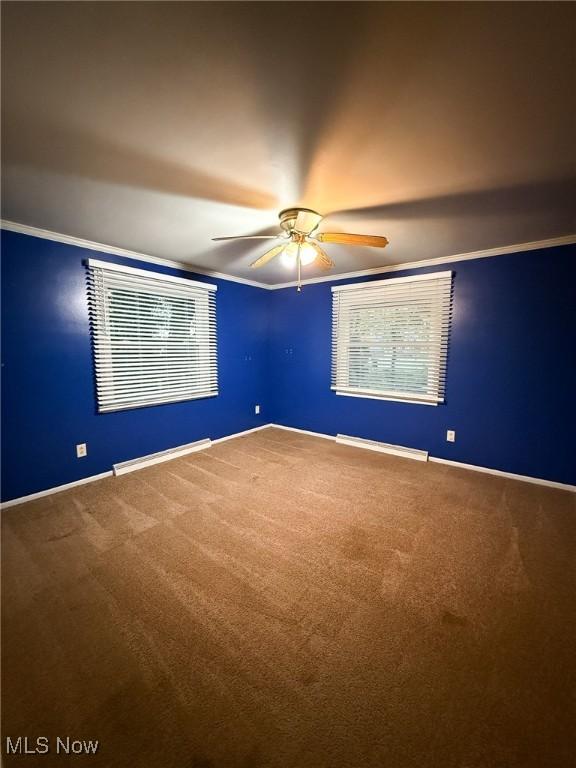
(290, 253)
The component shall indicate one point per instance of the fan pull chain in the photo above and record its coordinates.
(299, 268)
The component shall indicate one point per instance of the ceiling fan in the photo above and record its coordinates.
(299, 245)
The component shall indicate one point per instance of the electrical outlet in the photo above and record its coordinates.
(256, 409)
(81, 450)
(451, 436)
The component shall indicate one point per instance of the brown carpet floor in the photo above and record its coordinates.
(279, 601)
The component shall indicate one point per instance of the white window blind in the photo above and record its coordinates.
(390, 337)
(154, 337)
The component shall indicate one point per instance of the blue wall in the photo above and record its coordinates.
(511, 376)
(48, 399)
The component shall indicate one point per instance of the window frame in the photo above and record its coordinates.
(185, 296)
(440, 319)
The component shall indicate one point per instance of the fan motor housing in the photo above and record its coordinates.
(289, 215)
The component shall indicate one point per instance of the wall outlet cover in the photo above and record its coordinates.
(256, 409)
(451, 436)
(81, 450)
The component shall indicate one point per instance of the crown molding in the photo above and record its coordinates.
(58, 237)
(501, 251)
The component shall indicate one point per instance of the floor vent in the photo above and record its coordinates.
(374, 445)
(156, 458)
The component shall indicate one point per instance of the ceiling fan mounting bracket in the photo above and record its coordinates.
(289, 215)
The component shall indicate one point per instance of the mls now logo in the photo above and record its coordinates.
(23, 745)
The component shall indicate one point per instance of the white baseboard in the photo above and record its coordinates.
(57, 489)
(303, 431)
(239, 434)
(375, 445)
(156, 458)
(509, 475)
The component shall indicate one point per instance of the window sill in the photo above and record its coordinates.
(391, 398)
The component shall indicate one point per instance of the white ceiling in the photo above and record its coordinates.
(155, 126)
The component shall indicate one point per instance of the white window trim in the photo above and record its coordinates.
(147, 273)
(394, 399)
(376, 283)
(398, 397)
(103, 368)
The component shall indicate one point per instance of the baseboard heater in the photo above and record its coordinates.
(156, 458)
(374, 445)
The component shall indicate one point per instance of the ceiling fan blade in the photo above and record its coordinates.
(249, 237)
(343, 238)
(306, 222)
(322, 259)
(268, 256)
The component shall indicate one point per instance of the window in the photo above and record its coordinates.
(154, 337)
(390, 338)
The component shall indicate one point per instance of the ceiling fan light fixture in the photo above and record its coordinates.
(290, 254)
(299, 241)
